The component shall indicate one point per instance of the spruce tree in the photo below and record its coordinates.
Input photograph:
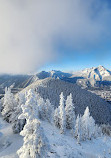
(49, 111)
(18, 124)
(70, 113)
(88, 125)
(35, 143)
(78, 129)
(62, 113)
(8, 105)
(57, 117)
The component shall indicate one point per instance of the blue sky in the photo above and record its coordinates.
(80, 62)
(74, 60)
(90, 56)
(66, 35)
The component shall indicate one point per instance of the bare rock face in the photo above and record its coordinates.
(51, 89)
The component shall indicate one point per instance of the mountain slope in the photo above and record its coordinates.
(61, 145)
(51, 89)
(17, 82)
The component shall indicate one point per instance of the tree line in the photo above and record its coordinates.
(26, 111)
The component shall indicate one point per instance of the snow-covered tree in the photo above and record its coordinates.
(49, 111)
(88, 125)
(86, 128)
(78, 129)
(62, 113)
(93, 128)
(70, 113)
(8, 105)
(97, 131)
(57, 117)
(21, 98)
(41, 108)
(18, 124)
(35, 143)
(30, 108)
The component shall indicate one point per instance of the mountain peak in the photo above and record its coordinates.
(101, 67)
(96, 73)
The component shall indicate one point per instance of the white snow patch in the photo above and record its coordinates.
(62, 145)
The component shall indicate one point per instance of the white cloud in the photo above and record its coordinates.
(31, 30)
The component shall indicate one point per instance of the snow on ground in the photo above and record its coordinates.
(67, 147)
(9, 142)
(62, 145)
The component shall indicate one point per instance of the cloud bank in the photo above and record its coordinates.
(31, 31)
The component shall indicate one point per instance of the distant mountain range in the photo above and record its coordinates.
(90, 77)
(50, 84)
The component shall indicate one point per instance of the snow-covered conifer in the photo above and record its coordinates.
(97, 131)
(18, 124)
(78, 129)
(62, 113)
(88, 125)
(35, 143)
(41, 108)
(93, 129)
(70, 113)
(8, 105)
(30, 108)
(49, 111)
(57, 117)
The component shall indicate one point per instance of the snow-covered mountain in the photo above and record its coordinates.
(53, 74)
(51, 89)
(90, 77)
(95, 77)
(97, 73)
(18, 82)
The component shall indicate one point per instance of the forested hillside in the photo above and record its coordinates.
(51, 89)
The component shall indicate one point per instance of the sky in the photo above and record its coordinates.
(66, 35)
